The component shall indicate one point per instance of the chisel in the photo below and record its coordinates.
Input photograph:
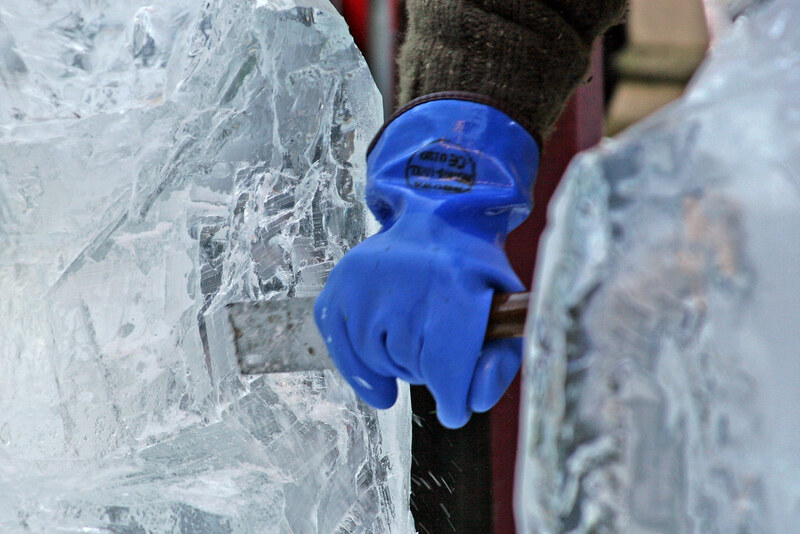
(279, 336)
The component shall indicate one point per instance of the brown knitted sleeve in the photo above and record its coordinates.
(528, 55)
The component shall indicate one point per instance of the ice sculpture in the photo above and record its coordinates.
(662, 377)
(159, 159)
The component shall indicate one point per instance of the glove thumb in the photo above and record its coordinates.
(498, 365)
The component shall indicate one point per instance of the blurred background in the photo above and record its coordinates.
(462, 480)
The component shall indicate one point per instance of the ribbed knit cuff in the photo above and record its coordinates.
(527, 55)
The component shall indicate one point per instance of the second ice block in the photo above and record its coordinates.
(661, 384)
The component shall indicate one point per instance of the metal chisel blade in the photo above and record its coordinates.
(277, 336)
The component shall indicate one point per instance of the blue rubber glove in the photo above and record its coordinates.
(447, 179)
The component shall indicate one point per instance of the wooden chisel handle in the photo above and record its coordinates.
(507, 316)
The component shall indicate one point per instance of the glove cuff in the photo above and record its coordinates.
(460, 159)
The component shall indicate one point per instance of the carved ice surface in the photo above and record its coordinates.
(159, 159)
(663, 372)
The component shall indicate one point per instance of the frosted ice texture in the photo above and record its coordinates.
(159, 159)
(663, 371)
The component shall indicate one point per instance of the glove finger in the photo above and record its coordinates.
(386, 334)
(503, 280)
(404, 346)
(376, 355)
(370, 341)
(496, 369)
(376, 390)
(453, 339)
(404, 349)
(488, 266)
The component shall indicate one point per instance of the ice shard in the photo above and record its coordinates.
(662, 374)
(158, 160)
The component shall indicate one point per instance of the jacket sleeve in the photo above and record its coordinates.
(524, 55)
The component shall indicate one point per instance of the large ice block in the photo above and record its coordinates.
(663, 372)
(158, 160)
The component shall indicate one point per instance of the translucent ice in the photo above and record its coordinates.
(663, 373)
(159, 159)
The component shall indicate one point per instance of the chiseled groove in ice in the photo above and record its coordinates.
(91, 248)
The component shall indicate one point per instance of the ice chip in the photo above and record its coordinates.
(159, 160)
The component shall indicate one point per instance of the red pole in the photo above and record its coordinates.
(356, 13)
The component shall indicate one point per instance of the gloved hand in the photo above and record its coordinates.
(447, 179)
